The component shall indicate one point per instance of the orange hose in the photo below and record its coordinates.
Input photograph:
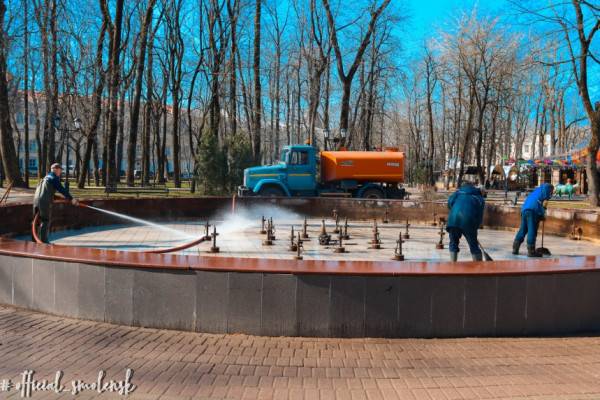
(36, 218)
(178, 248)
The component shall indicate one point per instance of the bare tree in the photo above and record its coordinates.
(10, 161)
(257, 112)
(346, 78)
(135, 108)
(114, 28)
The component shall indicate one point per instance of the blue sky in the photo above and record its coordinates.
(427, 16)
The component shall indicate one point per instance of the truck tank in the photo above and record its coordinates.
(362, 166)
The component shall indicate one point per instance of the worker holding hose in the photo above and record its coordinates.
(44, 196)
(464, 219)
(532, 212)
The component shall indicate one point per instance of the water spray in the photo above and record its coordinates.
(140, 221)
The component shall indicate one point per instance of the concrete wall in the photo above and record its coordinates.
(307, 305)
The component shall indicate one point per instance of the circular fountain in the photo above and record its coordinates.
(352, 268)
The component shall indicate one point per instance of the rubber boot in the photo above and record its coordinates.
(477, 257)
(516, 247)
(532, 252)
(453, 256)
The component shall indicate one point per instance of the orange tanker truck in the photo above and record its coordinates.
(304, 171)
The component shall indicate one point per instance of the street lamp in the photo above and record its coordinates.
(336, 139)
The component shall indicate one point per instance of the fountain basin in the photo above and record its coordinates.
(301, 298)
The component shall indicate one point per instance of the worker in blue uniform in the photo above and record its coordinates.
(464, 219)
(532, 212)
(44, 196)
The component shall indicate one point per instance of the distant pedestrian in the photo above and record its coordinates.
(532, 212)
(464, 219)
(44, 196)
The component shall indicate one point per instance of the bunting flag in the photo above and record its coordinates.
(575, 159)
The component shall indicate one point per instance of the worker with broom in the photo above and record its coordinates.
(44, 196)
(532, 212)
(465, 217)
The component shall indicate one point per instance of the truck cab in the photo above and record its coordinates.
(295, 174)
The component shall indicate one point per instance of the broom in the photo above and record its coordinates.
(485, 253)
(543, 250)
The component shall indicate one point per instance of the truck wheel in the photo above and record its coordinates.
(271, 191)
(372, 193)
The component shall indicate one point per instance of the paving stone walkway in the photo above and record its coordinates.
(180, 365)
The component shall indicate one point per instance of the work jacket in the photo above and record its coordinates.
(44, 193)
(466, 209)
(535, 200)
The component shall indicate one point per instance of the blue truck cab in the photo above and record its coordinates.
(295, 174)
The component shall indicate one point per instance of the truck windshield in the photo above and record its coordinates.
(284, 154)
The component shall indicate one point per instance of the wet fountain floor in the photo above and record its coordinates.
(242, 239)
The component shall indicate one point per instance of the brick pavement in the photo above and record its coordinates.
(178, 365)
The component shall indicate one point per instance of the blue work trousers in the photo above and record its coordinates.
(456, 233)
(530, 222)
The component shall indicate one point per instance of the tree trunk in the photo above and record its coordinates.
(10, 162)
(26, 89)
(91, 142)
(233, 11)
(468, 135)
(112, 173)
(147, 138)
(257, 118)
(592, 172)
(135, 107)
